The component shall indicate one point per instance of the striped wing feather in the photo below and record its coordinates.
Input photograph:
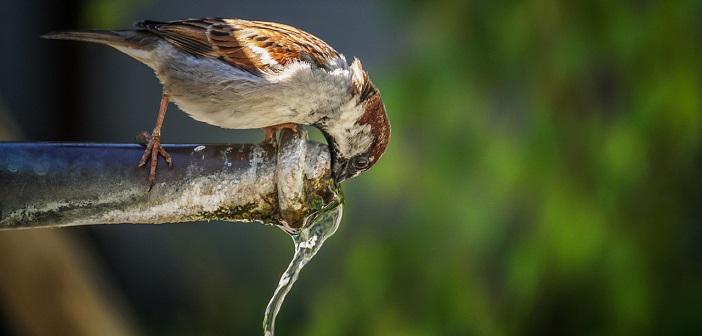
(254, 46)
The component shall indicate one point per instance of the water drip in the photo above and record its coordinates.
(307, 241)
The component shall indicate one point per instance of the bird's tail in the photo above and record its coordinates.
(135, 39)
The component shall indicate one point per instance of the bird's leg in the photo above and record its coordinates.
(153, 146)
(269, 135)
(271, 131)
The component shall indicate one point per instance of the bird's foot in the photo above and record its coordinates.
(151, 153)
(269, 138)
(270, 132)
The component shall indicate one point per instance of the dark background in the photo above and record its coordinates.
(543, 176)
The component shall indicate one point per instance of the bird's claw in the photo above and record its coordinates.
(166, 156)
(270, 132)
(151, 153)
(270, 138)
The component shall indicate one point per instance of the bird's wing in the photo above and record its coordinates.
(254, 46)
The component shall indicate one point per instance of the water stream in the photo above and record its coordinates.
(318, 227)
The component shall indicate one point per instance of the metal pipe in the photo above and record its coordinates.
(67, 184)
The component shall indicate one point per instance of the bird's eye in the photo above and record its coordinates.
(360, 162)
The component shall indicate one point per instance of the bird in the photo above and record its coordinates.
(242, 74)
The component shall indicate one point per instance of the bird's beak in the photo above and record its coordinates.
(339, 171)
(339, 164)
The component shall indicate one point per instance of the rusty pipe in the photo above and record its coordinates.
(68, 184)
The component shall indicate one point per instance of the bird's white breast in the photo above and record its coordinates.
(217, 93)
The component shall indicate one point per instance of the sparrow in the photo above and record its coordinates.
(241, 74)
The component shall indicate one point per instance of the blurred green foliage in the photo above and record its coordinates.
(108, 14)
(543, 176)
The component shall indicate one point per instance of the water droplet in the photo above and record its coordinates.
(12, 168)
(199, 148)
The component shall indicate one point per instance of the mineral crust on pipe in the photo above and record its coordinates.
(66, 184)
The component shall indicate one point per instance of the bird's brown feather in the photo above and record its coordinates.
(241, 42)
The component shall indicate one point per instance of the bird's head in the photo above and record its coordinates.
(360, 135)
